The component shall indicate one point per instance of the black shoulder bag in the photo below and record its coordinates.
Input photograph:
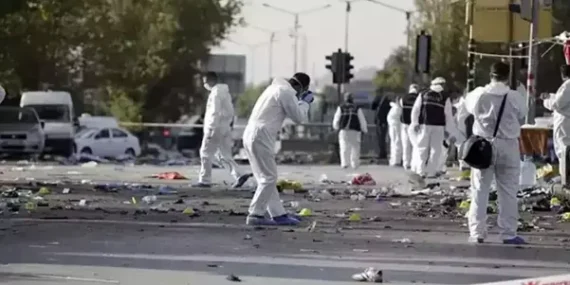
(477, 151)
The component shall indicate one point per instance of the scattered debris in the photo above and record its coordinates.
(169, 176)
(363, 179)
(233, 278)
(306, 212)
(369, 275)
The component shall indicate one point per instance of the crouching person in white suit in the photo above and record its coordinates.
(350, 123)
(283, 98)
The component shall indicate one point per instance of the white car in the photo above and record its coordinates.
(107, 142)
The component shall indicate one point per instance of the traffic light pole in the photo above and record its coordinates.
(532, 63)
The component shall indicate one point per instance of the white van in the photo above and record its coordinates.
(55, 110)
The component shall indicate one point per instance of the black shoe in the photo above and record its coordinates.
(241, 180)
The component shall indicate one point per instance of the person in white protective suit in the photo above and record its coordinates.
(559, 104)
(395, 133)
(217, 140)
(283, 98)
(350, 123)
(431, 113)
(484, 104)
(406, 104)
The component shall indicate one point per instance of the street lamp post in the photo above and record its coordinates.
(272, 35)
(252, 48)
(296, 26)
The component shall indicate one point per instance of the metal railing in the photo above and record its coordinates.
(310, 137)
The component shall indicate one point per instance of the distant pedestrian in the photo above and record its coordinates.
(406, 103)
(395, 132)
(381, 107)
(350, 123)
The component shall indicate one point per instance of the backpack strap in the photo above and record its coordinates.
(501, 109)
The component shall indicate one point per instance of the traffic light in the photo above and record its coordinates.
(335, 66)
(339, 63)
(347, 66)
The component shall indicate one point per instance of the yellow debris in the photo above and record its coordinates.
(134, 200)
(306, 212)
(546, 171)
(354, 217)
(30, 206)
(465, 204)
(44, 191)
(289, 185)
(555, 202)
(465, 174)
(565, 217)
(189, 212)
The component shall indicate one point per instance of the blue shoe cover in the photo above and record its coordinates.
(286, 220)
(516, 241)
(259, 221)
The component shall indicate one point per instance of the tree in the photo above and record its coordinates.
(146, 51)
(246, 101)
(393, 75)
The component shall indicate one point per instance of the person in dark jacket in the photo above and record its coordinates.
(381, 107)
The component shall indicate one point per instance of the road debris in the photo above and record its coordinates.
(363, 179)
(369, 275)
(169, 176)
(233, 278)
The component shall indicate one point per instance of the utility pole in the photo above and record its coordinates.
(532, 63)
(346, 22)
(296, 42)
(271, 41)
(409, 48)
(471, 47)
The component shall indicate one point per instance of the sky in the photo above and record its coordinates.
(374, 31)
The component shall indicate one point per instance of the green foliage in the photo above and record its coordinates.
(148, 49)
(246, 101)
(393, 76)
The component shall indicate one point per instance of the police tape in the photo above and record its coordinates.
(549, 280)
(173, 125)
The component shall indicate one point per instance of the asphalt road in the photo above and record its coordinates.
(113, 240)
(305, 174)
(87, 252)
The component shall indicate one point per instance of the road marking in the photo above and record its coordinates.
(523, 272)
(136, 223)
(438, 259)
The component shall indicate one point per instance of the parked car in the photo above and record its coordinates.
(107, 142)
(21, 131)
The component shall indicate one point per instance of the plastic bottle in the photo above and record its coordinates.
(527, 178)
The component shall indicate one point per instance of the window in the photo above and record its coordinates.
(119, 134)
(103, 134)
(52, 113)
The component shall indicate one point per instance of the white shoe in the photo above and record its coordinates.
(369, 275)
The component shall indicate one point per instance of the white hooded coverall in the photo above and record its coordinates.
(277, 102)
(484, 104)
(217, 138)
(428, 142)
(407, 146)
(349, 140)
(559, 104)
(394, 132)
